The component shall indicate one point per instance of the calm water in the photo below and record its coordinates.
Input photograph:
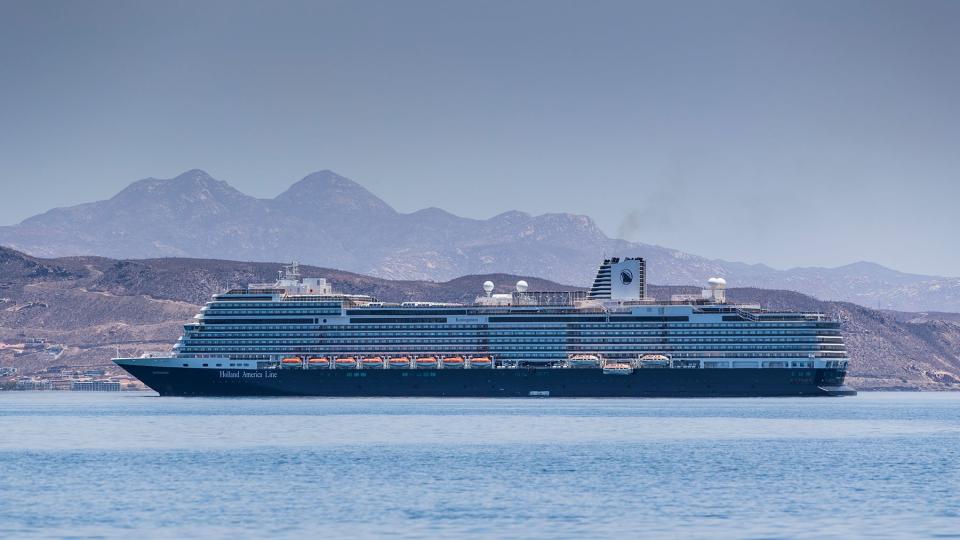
(119, 464)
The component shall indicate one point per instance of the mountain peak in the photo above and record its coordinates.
(324, 189)
(190, 187)
(868, 267)
(327, 181)
(194, 175)
(198, 178)
(511, 215)
(862, 264)
(327, 176)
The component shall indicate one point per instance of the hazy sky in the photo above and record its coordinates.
(791, 133)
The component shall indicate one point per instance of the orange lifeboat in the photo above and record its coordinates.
(318, 363)
(481, 362)
(348, 362)
(453, 362)
(401, 362)
(426, 362)
(292, 362)
(372, 363)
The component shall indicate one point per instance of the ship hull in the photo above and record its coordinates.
(520, 382)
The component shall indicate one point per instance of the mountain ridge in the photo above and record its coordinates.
(330, 220)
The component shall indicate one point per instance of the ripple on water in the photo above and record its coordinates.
(109, 465)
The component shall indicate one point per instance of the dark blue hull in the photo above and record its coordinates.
(520, 382)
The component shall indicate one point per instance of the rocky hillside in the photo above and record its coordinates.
(94, 305)
(329, 220)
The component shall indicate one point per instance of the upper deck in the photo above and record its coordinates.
(306, 317)
(520, 302)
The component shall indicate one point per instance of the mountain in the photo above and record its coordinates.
(330, 220)
(90, 306)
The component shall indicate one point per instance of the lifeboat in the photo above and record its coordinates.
(453, 362)
(401, 362)
(318, 363)
(481, 362)
(372, 363)
(426, 362)
(617, 369)
(654, 361)
(583, 361)
(291, 362)
(346, 363)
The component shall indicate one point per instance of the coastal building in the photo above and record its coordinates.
(95, 386)
(26, 383)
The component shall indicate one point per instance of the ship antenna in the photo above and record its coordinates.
(290, 271)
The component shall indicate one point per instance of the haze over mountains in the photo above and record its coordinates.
(326, 219)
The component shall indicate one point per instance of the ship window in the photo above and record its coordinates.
(205, 365)
(185, 365)
(716, 364)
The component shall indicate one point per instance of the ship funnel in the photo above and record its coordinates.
(620, 279)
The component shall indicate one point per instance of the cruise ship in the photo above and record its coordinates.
(298, 337)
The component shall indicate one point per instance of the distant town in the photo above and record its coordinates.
(58, 377)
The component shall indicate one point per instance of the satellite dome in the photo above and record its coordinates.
(522, 286)
(717, 283)
(488, 287)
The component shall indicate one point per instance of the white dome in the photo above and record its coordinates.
(522, 286)
(717, 283)
(488, 286)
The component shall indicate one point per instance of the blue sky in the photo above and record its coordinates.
(789, 133)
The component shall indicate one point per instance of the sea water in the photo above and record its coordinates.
(883, 465)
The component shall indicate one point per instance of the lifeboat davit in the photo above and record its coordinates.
(584, 360)
(426, 362)
(291, 362)
(346, 363)
(453, 362)
(318, 363)
(401, 362)
(372, 363)
(481, 362)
